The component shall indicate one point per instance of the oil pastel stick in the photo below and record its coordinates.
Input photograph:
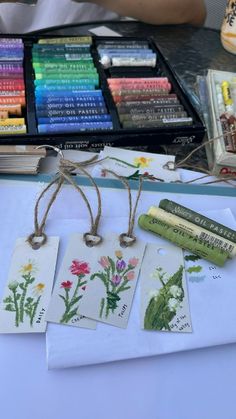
(133, 62)
(15, 93)
(48, 48)
(19, 100)
(129, 98)
(76, 127)
(3, 114)
(141, 92)
(182, 239)
(148, 104)
(12, 121)
(71, 112)
(72, 99)
(14, 86)
(11, 109)
(194, 230)
(12, 41)
(198, 219)
(73, 74)
(57, 88)
(62, 82)
(13, 130)
(74, 119)
(61, 57)
(67, 40)
(11, 76)
(152, 117)
(60, 51)
(65, 106)
(65, 66)
(123, 42)
(128, 80)
(72, 93)
(162, 109)
(173, 122)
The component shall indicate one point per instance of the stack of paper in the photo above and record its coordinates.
(20, 159)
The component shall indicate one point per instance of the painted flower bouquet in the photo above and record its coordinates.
(116, 275)
(164, 302)
(24, 299)
(71, 289)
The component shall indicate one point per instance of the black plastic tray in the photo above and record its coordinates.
(120, 137)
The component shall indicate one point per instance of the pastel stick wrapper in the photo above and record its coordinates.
(184, 240)
(198, 219)
(194, 230)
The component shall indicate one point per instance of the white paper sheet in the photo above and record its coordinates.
(65, 349)
(212, 308)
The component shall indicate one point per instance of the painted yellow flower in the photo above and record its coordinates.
(118, 254)
(38, 289)
(142, 161)
(28, 268)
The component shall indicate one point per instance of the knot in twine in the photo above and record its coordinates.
(128, 239)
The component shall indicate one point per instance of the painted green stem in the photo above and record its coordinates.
(16, 308)
(35, 306)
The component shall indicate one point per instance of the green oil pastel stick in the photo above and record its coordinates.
(66, 40)
(61, 61)
(55, 76)
(184, 240)
(194, 230)
(64, 66)
(198, 219)
(64, 82)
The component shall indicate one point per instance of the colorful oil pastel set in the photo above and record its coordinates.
(67, 94)
(83, 92)
(12, 87)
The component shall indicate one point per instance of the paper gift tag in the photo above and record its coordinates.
(113, 278)
(71, 284)
(164, 296)
(132, 164)
(28, 289)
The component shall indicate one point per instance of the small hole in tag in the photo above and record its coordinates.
(161, 251)
(126, 241)
(170, 165)
(91, 240)
(37, 241)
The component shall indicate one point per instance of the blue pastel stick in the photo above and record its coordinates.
(71, 112)
(67, 100)
(86, 126)
(124, 51)
(136, 55)
(74, 119)
(65, 106)
(68, 93)
(53, 88)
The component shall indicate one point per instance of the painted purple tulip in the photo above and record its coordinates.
(116, 279)
(120, 265)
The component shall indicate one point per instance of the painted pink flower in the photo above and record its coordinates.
(79, 268)
(130, 276)
(116, 279)
(104, 262)
(66, 284)
(133, 262)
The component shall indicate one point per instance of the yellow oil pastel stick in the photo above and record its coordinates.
(12, 121)
(67, 40)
